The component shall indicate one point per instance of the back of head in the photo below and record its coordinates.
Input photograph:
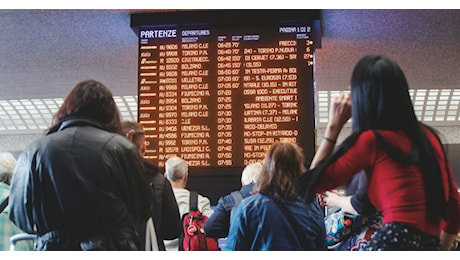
(283, 164)
(380, 95)
(138, 136)
(92, 100)
(175, 169)
(251, 173)
(7, 164)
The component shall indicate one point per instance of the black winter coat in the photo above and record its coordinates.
(165, 212)
(81, 188)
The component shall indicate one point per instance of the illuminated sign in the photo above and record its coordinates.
(219, 96)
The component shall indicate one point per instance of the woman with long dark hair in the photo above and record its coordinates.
(82, 185)
(409, 178)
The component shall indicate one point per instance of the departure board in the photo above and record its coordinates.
(219, 96)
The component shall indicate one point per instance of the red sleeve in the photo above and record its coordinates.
(360, 156)
(452, 225)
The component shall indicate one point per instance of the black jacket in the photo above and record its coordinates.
(165, 214)
(81, 188)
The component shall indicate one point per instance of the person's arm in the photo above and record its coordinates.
(447, 240)
(333, 199)
(218, 223)
(339, 114)
(204, 205)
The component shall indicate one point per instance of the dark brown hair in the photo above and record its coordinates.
(283, 164)
(138, 131)
(92, 100)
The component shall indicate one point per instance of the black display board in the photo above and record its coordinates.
(217, 88)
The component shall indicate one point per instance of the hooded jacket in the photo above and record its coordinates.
(81, 188)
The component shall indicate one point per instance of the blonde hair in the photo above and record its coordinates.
(251, 173)
(7, 164)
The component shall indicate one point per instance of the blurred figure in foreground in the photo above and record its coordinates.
(82, 186)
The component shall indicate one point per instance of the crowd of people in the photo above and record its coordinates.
(85, 184)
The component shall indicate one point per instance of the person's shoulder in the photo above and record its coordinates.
(203, 197)
(118, 143)
(226, 197)
(257, 198)
(246, 190)
(395, 137)
(53, 139)
(370, 133)
(226, 201)
(430, 132)
(119, 139)
(255, 203)
(178, 191)
(181, 195)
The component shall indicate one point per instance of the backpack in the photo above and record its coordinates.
(350, 232)
(237, 197)
(193, 238)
